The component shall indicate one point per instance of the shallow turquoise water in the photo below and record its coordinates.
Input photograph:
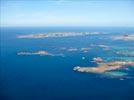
(116, 74)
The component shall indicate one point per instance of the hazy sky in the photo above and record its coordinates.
(67, 13)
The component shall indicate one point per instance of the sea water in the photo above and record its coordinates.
(52, 77)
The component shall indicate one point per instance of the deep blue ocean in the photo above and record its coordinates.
(52, 77)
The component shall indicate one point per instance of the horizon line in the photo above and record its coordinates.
(68, 26)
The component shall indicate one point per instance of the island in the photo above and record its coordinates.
(57, 34)
(73, 49)
(38, 53)
(125, 37)
(41, 53)
(105, 67)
